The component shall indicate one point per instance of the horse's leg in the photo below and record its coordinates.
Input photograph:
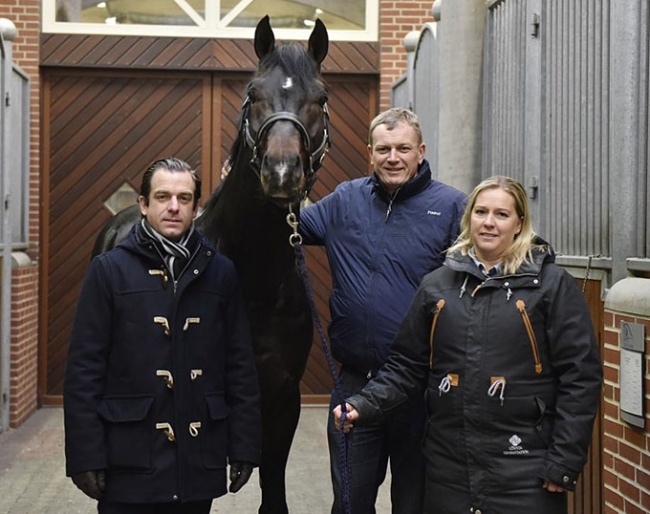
(280, 414)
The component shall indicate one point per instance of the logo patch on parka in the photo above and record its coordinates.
(515, 447)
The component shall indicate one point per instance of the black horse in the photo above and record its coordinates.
(283, 137)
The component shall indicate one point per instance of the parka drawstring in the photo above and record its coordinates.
(463, 287)
(449, 380)
(445, 385)
(498, 383)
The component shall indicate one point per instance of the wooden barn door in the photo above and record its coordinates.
(100, 131)
(352, 104)
(587, 497)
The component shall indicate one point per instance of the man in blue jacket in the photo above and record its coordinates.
(161, 389)
(382, 234)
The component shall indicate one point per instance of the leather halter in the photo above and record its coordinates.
(315, 158)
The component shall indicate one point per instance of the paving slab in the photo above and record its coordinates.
(33, 481)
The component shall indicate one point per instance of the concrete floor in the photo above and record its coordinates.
(33, 481)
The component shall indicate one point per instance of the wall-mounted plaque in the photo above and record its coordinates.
(631, 373)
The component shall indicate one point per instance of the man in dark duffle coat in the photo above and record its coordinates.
(161, 390)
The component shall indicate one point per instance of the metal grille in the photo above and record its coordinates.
(575, 139)
(546, 114)
(505, 91)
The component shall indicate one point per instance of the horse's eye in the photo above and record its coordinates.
(323, 99)
(252, 95)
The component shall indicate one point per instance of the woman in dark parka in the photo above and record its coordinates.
(502, 340)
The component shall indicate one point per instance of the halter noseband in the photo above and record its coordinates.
(315, 158)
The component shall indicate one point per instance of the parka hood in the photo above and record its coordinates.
(542, 254)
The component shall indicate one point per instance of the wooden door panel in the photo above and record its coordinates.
(587, 497)
(103, 128)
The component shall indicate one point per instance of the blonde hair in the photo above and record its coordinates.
(523, 244)
(392, 117)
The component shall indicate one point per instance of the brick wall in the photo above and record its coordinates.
(626, 449)
(25, 15)
(23, 378)
(24, 344)
(396, 20)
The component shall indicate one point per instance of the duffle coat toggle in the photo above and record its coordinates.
(162, 273)
(161, 320)
(169, 431)
(189, 321)
(194, 428)
(167, 375)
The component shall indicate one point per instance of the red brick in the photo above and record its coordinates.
(629, 452)
(631, 508)
(613, 496)
(630, 491)
(623, 468)
(610, 373)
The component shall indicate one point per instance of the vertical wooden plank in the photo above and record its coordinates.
(587, 498)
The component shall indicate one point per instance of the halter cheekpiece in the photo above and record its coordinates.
(315, 158)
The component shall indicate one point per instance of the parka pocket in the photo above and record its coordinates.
(214, 440)
(544, 424)
(128, 432)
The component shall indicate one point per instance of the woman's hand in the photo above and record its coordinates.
(552, 488)
(350, 417)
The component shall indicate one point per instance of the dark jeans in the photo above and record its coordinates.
(200, 507)
(370, 448)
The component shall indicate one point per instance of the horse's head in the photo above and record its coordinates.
(285, 119)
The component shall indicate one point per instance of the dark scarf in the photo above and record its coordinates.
(176, 255)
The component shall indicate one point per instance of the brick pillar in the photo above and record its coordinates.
(396, 19)
(626, 448)
(23, 389)
(23, 376)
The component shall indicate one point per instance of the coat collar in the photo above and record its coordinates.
(412, 187)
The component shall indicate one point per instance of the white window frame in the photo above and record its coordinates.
(211, 27)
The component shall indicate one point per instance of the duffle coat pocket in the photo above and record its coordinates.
(128, 432)
(214, 442)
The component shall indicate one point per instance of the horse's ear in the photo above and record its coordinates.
(264, 38)
(318, 42)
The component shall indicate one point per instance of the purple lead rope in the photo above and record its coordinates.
(343, 447)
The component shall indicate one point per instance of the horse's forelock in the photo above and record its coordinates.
(295, 61)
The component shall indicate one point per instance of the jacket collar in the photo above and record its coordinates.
(412, 187)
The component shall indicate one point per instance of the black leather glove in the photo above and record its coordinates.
(240, 472)
(91, 483)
